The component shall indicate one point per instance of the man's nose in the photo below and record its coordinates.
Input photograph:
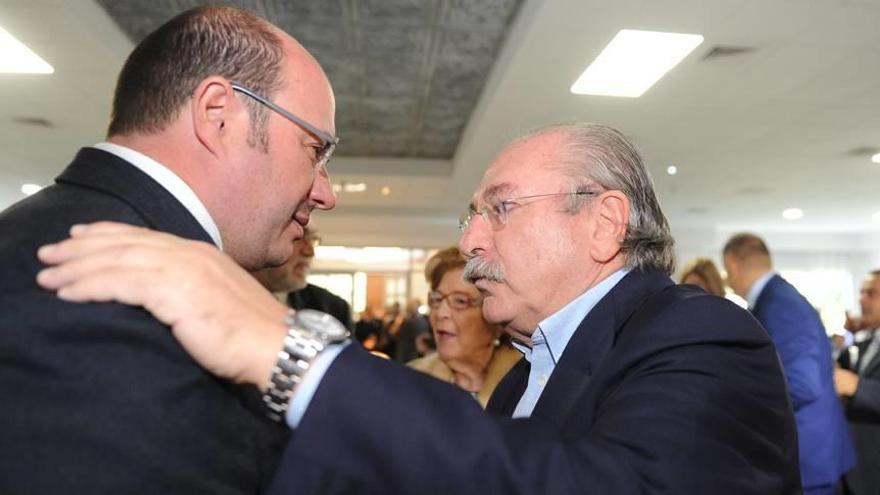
(475, 236)
(322, 196)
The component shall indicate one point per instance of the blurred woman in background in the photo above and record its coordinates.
(702, 272)
(469, 350)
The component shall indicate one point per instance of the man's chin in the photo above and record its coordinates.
(493, 313)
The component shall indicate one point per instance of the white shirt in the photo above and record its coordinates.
(758, 287)
(171, 182)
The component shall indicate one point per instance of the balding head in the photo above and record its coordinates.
(748, 248)
(243, 114)
(746, 258)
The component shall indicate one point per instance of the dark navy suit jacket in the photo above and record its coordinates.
(826, 451)
(100, 398)
(863, 413)
(662, 389)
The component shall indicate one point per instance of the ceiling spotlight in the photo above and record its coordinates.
(28, 189)
(792, 213)
(385, 190)
(672, 170)
(876, 158)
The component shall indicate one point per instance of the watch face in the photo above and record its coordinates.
(321, 324)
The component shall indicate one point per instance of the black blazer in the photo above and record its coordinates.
(314, 297)
(100, 398)
(662, 389)
(863, 414)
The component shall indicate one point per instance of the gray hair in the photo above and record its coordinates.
(598, 154)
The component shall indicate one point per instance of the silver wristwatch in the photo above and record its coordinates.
(309, 332)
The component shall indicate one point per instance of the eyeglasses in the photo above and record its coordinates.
(328, 141)
(455, 300)
(496, 213)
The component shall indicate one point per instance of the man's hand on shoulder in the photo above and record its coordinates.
(224, 318)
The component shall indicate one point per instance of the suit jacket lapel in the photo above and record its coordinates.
(592, 341)
(105, 172)
(509, 391)
(872, 365)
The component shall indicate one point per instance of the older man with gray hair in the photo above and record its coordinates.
(630, 383)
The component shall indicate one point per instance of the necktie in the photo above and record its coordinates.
(870, 352)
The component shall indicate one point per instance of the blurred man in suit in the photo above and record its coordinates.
(858, 382)
(288, 282)
(826, 451)
(100, 398)
(630, 383)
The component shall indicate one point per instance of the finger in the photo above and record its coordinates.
(97, 240)
(107, 228)
(96, 287)
(81, 258)
(122, 285)
(74, 248)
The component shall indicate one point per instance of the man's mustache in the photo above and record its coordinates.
(478, 268)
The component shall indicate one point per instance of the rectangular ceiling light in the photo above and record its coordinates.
(17, 58)
(633, 62)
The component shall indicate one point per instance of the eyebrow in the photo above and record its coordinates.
(494, 191)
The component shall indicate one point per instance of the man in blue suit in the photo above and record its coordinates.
(631, 384)
(826, 451)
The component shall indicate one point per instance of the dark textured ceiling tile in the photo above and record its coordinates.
(318, 36)
(458, 44)
(395, 12)
(407, 73)
(483, 15)
(306, 10)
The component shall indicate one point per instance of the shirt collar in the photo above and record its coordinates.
(559, 327)
(757, 287)
(171, 182)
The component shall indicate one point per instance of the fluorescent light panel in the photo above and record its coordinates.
(17, 58)
(633, 62)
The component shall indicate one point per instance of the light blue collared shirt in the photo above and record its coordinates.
(758, 287)
(551, 338)
(560, 326)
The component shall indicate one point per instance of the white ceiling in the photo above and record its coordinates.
(751, 135)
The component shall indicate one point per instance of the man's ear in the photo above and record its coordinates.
(610, 213)
(216, 114)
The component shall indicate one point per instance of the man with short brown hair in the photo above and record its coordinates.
(100, 398)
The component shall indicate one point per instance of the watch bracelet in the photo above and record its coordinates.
(294, 360)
